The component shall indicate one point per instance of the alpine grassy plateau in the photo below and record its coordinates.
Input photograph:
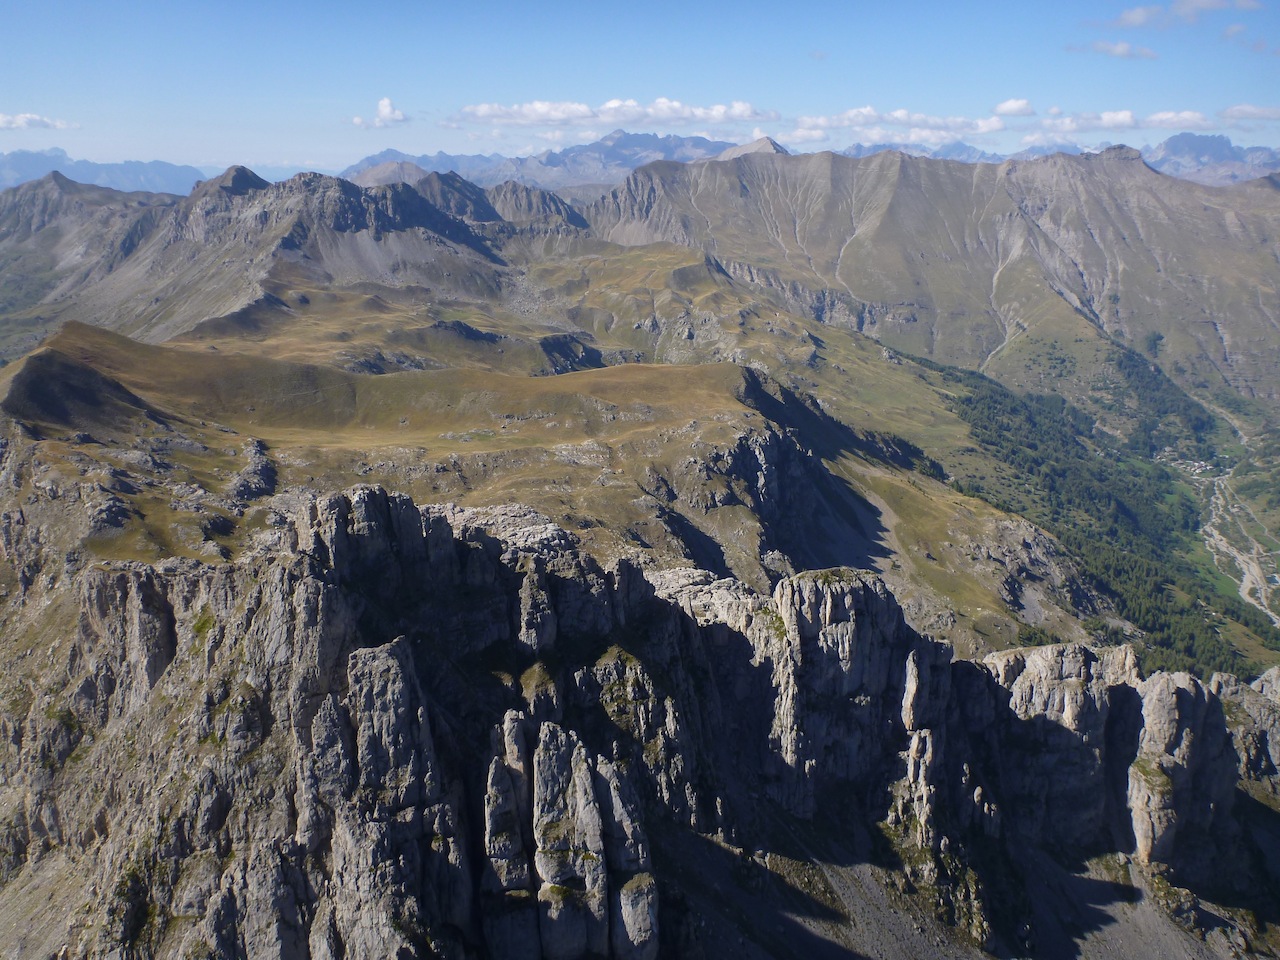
(770, 556)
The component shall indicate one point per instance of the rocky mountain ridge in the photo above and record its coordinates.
(446, 731)
(1211, 160)
(209, 254)
(1056, 239)
(890, 244)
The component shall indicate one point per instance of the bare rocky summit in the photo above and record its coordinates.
(762, 145)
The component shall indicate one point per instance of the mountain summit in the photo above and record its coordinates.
(763, 145)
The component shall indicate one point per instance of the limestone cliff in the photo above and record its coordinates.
(403, 731)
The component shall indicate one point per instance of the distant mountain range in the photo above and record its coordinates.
(154, 176)
(584, 172)
(1211, 160)
(888, 243)
(948, 151)
(604, 163)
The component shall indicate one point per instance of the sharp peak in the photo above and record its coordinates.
(236, 180)
(59, 180)
(765, 145)
(448, 176)
(57, 183)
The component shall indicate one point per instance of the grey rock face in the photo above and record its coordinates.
(404, 731)
(1075, 711)
(258, 477)
(841, 640)
(1183, 778)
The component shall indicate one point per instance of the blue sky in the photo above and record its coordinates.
(323, 84)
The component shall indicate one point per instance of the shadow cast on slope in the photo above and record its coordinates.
(738, 905)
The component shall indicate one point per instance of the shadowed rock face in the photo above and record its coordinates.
(396, 730)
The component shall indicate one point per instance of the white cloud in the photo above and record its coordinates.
(1069, 125)
(539, 111)
(1014, 108)
(386, 116)
(30, 121)
(387, 113)
(1045, 140)
(1186, 10)
(1124, 49)
(1118, 120)
(1233, 31)
(802, 135)
(1139, 16)
(856, 117)
(1247, 111)
(869, 125)
(1084, 122)
(738, 110)
(1179, 120)
(929, 136)
(1190, 10)
(616, 112)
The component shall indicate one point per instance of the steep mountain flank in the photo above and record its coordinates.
(518, 204)
(984, 265)
(762, 145)
(58, 236)
(445, 731)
